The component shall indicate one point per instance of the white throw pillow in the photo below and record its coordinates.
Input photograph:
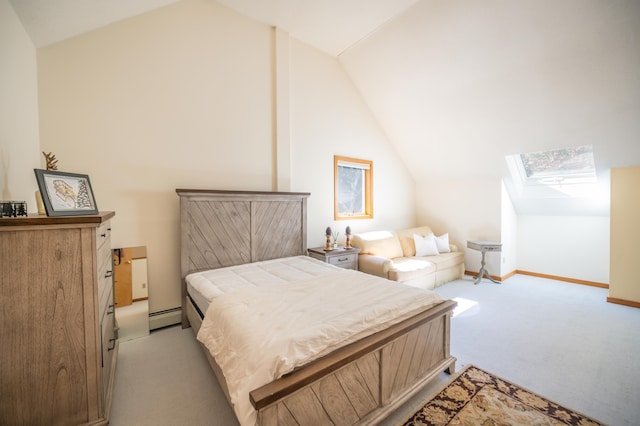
(442, 242)
(425, 246)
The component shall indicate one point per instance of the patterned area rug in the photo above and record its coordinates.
(476, 397)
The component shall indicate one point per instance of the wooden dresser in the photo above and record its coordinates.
(57, 329)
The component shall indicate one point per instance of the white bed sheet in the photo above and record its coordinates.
(258, 332)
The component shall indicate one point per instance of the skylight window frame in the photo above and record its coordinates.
(517, 167)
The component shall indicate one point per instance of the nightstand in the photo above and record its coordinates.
(341, 257)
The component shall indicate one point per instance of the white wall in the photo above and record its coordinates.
(509, 234)
(186, 97)
(466, 209)
(139, 280)
(566, 246)
(457, 85)
(329, 118)
(19, 144)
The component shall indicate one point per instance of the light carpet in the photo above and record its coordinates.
(561, 340)
(477, 397)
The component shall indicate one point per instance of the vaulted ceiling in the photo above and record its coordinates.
(330, 25)
(456, 85)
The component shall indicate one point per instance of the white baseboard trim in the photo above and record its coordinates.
(165, 318)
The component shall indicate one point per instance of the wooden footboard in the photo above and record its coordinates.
(361, 383)
(365, 381)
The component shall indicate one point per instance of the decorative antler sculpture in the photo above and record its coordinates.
(52, 163)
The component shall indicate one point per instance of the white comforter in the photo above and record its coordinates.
(257, 334)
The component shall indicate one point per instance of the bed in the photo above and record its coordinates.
(358, 382)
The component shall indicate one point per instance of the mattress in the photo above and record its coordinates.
(265, 319)
(204, 286)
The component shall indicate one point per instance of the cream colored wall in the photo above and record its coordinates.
(625, 234)
(329, 118)
(19, 144)
(176, 98)
(467, 210)
(186, 97)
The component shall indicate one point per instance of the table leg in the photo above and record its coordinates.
(483, 272)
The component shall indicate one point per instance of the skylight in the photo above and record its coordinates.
(567, 171)
(558, 165)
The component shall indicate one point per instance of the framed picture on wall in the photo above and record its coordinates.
(66, 194)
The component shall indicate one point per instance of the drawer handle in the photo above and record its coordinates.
(103, 235)
(344, 259)
(110, 348)
(108, 274)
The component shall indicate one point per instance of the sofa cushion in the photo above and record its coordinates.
(406, 239)
(404, 269)
(378, 243)
(444, 260)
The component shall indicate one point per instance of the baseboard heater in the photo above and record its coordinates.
(165, 318)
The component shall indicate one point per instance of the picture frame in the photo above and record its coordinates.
(66, 194)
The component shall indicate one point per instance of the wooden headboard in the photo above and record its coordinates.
(226, 228)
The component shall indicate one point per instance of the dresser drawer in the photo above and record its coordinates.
(108, 345)
(105, 279)
(104, 252)
(103, 235)
(104, 260)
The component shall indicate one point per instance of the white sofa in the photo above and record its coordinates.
(392, 255)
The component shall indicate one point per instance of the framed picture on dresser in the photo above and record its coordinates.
(66, 194)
